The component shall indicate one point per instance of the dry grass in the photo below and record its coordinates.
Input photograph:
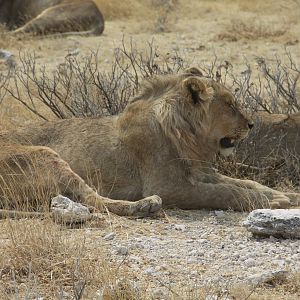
(39, 259)
(24, 184)
(252, 29)
(7, 41)
(150, 9)
(117, 9)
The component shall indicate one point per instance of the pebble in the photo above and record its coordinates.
(110, 236)
(179, 227)
(122, 250)
(160, 293)
(219, 213)
(203, 251)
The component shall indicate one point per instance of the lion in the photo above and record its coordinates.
(163, 143)
(51, 17)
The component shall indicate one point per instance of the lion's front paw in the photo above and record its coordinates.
(280, 200)
(147, 206)
(294, 198)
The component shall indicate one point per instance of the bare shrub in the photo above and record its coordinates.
(79, 88)
(281, 85)
(4, 79)
(267, 155)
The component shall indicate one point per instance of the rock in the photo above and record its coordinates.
(149, 271)
(67, 211)
(250, 262)
(110, 236)
(283, 223)
(179, 227)
(268, 277)
(160, 293)
(8, 58)
(122, 250)
(219, 213)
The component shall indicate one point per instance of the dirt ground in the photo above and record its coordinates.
(235, 31)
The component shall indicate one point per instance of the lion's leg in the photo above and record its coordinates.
(70, 182)
(140, 208)
(250, 184)
(219, 196)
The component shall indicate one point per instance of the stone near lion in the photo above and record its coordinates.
(164, 143)
(66, 211)
(51, 16)
(282, 223)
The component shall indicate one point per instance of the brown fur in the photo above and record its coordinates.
(275, 150)
(163, 143)
(51, 16)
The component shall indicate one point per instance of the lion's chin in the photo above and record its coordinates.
(226, 151)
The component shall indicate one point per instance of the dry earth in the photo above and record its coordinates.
(175, 257)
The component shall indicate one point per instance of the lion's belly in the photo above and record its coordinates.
(121, 183)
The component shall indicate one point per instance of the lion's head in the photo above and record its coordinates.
(199, 115)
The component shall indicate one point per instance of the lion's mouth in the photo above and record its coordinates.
(226, 142)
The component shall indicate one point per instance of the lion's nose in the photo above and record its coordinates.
(250, 125)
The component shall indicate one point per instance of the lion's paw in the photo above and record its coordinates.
(294, 198)
(147, 206)
(280, 200)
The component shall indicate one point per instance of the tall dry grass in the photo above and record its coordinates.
(41, 260)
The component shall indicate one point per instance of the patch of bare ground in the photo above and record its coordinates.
(186, 256)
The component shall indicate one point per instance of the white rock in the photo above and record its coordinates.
(179, 227)
(250, 262)
(110, 236)
(274, 222)
(4, 54)
(122, 250)
(8, 57)
(149, 271)
(219, 213)
(267, 277)
(160, 293)
(67, 211)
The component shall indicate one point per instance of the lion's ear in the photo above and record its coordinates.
(193, 71)
(198, 90)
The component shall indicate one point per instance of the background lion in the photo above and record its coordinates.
(51, 16)
(163, 143)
